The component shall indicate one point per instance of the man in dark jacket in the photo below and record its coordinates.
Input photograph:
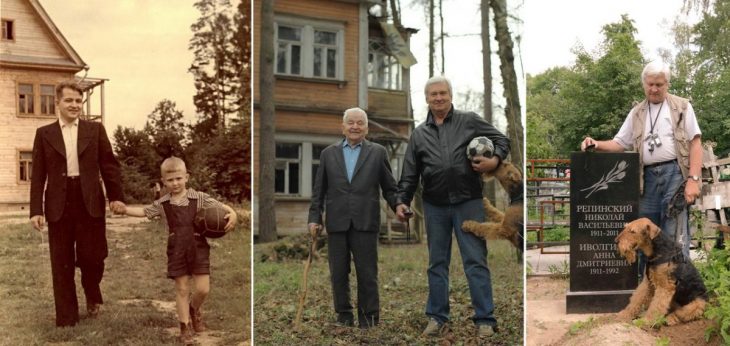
(346, 185)
(452, 193)
(69, 157)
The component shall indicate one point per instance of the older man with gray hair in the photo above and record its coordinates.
(663, 129)
(346, 186)
(452, 192)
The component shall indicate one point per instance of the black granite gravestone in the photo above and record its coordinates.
(604, 196)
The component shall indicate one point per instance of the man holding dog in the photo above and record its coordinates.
(452, 193)
(70, 156)
(663, 129)
(346, 186)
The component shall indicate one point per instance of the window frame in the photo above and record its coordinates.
(19, 162)
(287, 161)
(308, 28)
(32, 99)
(11, 22)
(37, 99)
(376, 55)
(47, 99)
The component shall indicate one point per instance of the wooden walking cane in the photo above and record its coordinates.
(303, 287)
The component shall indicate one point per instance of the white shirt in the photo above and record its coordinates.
(70, 133)
(662, 127)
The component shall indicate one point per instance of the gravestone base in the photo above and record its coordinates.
(589, 302)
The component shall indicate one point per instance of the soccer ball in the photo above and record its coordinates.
(211, 222)
(479, 146)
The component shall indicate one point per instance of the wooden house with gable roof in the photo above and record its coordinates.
(34, 58)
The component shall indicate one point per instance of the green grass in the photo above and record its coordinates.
(558, 233)
(403, 292)
(135, 269)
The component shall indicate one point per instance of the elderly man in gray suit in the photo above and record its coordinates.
(346, 185)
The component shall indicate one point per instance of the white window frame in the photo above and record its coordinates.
(286, 163)
(306, 161)
(377, 53)
(308, 27)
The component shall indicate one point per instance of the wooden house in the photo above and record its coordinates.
(34, 58)
(330, 55)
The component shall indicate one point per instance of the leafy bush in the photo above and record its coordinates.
(716, 274)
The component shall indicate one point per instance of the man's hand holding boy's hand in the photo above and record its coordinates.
(232, 218)
(118, 207)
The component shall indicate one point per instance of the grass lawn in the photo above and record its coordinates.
(403, 292)
(134, 284)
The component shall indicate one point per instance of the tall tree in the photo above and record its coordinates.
(489, 188)
(442, 38)
(267, 146)
(512, 110)
(431, 40)
(166, 129)
(215, 67)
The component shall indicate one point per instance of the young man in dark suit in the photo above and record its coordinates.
(69, 157)
(347, 184)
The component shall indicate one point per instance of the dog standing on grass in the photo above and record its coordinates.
(672, 286)
(510, 223)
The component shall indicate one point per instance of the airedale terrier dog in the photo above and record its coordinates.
(510, 223)
(671, 285)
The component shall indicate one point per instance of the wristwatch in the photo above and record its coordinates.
(694, 177)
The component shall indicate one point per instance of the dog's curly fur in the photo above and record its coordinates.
(510, 223)
(672, 286)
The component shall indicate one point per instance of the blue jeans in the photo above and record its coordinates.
(660, 184)
(440, 221)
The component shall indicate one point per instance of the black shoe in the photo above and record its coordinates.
(93, 310)
(345, 320)
(367, 322)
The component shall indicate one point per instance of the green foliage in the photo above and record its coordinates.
(663, 341)
(218, 60)
(716, 275)
(581, 325)
(562, 270)
(217, 148)
(220, 165)
(591, 98)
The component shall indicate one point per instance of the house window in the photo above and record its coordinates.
(48, 99)
(384, 71)
(289, 52)
(325, 54)
(316, 152)
(25, 99)
(8, 30)
(309, 49)
(25, 162)
(288, 163)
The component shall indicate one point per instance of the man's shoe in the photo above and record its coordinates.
(197, 319)
(345, 320)
(433, 328)
(93, 309)
(485, 330)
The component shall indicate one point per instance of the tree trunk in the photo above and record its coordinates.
(267, 146)
(489, 189)
(431, 33)
(509, 78)
(443, 41)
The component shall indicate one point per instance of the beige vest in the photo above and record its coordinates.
(677, 110)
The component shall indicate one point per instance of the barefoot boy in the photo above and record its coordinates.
(187, 252)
